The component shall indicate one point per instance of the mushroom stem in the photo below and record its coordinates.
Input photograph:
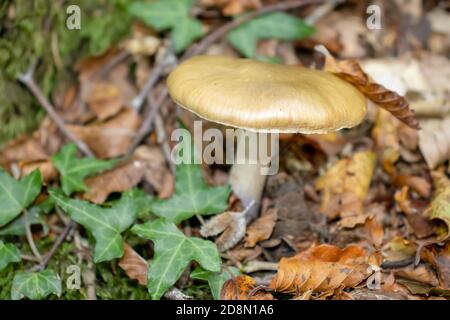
(247, 180)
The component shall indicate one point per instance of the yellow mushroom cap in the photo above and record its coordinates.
(265, 97)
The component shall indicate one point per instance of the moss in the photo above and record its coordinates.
(26, 29)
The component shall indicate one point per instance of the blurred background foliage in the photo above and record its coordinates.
(37, 30)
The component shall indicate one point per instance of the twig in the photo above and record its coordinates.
(217, 34)
(41, 266)
(102, 72)
(28, 80)
(201, 47)
(256, 265)
(30, 240)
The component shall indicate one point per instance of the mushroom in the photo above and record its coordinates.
(264, 97)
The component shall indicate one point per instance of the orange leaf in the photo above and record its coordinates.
(134, 265)
(345, 186)
(261, 229)
(243, 287)
(321, 269)
(350, 71)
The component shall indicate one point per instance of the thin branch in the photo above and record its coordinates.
(201, 47)
(30, 240)
(41, 266)
(28, 80)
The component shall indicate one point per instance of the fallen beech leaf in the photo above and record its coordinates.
(134, 265)
(233, 7)
(375, 231)
(261, 229)
(399, 249)
(239, 254)
(157, 173)
(440, 205)
(443, 266)
(345, 186)
(47, 169)
(321, 269)
(350, 71)
(28, 148)
(419, 184)
(119, 179)
(421, 273)
(434, 141)
(111, 138)
(231, 225)
(243, 287)
(414, 210)
(105, 100)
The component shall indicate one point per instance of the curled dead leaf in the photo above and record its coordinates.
(134, 265)
(434, 141)
(47, 169)
(105, 100)
(157, 173)
(243, 287)
(119, 179)
(345, 186)
(321, 269)
(439, 208)
(233, 7)
(232, 226)
(350, 71)
(262, 228)
(111, 138)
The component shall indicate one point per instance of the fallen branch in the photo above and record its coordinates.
(43, 264)
(201, 47)
(28, 80)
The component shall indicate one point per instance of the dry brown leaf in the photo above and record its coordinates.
(439, 208)
(134, 265)
(119, 179)
(375, 231)
(243, 287)
(35, 147)
(399, 249)
(111, 138)
(418, 184)
(261, 229)
(239, 254)
(233, 7)
(414, 210)
(324, 268)
(157, 173)
(230, 224)
(105, 100)
(443, 266)
(434, 141)
(421, 273)
(48, 170)
(350, 71)
(345, 186)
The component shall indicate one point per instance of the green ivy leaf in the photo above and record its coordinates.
(74, 170)
(276, 25)
(105, 224)
(170, 14)
(35, 285)
(17, 227)
(192, 195)
(215, 279)
(8, 254)
(16, 195)
(173, 253)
